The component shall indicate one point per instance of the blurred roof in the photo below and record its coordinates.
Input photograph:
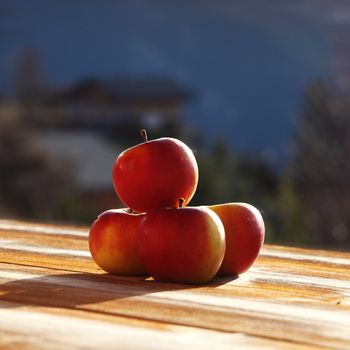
(121, 89)
(91, 156)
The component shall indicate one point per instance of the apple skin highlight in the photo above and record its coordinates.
(184, 245)
(245, 234)
(155, 174)
(113, 242)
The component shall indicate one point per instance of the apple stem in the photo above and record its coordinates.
(143, 133)
(181, 202)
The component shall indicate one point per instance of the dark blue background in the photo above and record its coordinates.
(247, 61)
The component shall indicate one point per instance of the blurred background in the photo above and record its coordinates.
(259, 89)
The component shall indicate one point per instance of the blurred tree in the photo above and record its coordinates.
(215, 177)
(29, 80)
(30, 184)
(226, 177)
(321, 168)
(290, 215)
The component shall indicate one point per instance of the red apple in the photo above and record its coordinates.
(245, 233)
(113, 242)
(155, 174)
(184, 245)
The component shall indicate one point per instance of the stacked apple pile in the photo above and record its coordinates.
(157, 234)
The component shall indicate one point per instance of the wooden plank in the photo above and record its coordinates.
(45, 328)
(295, 297)
(164, 303)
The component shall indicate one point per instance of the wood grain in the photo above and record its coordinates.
(53, 296)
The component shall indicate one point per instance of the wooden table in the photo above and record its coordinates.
(53, 296)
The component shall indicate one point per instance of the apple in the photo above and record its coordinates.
(184, 245)
(155, 174)
(113, 242)
(245, 233)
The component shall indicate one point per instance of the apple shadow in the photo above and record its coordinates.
(73, 290)
(221, 280)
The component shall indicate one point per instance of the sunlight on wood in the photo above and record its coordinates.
(52, 295)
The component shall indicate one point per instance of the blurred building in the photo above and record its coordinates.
(83, 127)
(115, 107)
(90, 159)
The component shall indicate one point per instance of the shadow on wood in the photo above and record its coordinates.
(71, 290)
